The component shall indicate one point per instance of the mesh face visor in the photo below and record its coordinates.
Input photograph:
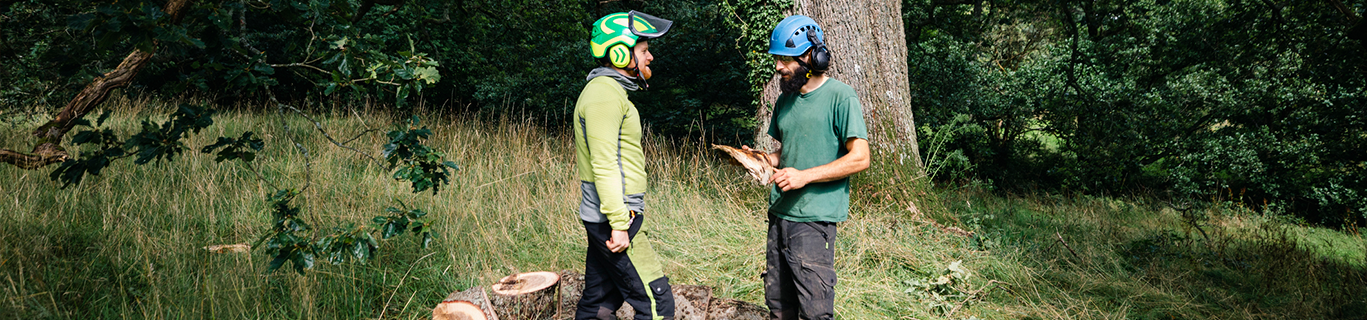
(646, 21)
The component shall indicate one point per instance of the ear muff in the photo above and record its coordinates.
(821, 57)
(620, 55)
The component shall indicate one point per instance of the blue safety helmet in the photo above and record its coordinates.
(790, 36)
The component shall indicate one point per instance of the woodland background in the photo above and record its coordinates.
(1196, 159)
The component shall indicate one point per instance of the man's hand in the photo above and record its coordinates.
(853, 162)
(790, 179)
(772, 157)
(619, 242)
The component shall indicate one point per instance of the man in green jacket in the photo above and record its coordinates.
(822, 139)
(620, 264)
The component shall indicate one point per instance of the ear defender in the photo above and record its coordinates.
(821, 57)
(620, 55)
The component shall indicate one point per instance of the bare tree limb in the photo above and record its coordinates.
(299, 64)
(49, 150)
(1065, 245)
(43, 154)
(1347, 12)
(319, 125)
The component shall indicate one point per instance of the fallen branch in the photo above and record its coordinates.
(1065, 245)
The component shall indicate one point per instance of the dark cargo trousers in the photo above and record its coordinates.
(799, 279)
(634, 276)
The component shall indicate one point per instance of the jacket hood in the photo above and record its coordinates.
(626, 82)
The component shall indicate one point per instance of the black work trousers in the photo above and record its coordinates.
(799, 278)
(634, 276)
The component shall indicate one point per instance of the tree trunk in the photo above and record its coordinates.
(868, 52)
(49, 150)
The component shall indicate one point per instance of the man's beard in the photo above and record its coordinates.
(792, 81)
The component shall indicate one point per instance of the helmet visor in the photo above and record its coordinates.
(660, 26)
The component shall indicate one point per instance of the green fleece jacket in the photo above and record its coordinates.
(608, 154)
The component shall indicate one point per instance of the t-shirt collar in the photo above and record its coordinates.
(818, 88)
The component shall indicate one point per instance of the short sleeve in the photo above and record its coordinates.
(849, 119)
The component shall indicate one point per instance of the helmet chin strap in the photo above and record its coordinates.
(804, 66)
(635, 67)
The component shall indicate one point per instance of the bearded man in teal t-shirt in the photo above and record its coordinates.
(820, 127)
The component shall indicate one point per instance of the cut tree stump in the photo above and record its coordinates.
(475, 296)
(730, 309)
(690, 303)
(531, 295)
(457, 310)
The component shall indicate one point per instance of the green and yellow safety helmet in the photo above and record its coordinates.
(615, 34)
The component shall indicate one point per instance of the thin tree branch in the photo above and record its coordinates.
(1065, 245)
(49, 150)
(299, 64)
(319, 125)
(1347, 12)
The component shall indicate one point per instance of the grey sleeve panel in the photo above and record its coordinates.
(589, 210)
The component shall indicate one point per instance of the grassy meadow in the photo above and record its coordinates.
(128, 244)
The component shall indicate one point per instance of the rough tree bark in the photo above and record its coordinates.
(531, 295)
(868, 52)
(48, 149)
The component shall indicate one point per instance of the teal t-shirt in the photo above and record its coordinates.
(813, 128)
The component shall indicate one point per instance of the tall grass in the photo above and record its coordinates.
(128, 243)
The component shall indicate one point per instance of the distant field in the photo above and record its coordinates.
(128, 243)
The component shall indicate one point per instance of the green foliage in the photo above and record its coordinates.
(164, 142)
(938, 159)
(417, 163)
(230, 49)
(244, 148)
(292, 240)
(235, 50)
(490, 56)
(1196, 99)
(73, 171)
(755, 20)
(940, 290)
(400, 221)
(700, 74)
(42, 63)
(154, 142)
(287, 240)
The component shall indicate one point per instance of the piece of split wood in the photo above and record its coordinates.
(755, 162)
(229, 248)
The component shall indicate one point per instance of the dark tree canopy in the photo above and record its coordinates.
(1253, 102)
